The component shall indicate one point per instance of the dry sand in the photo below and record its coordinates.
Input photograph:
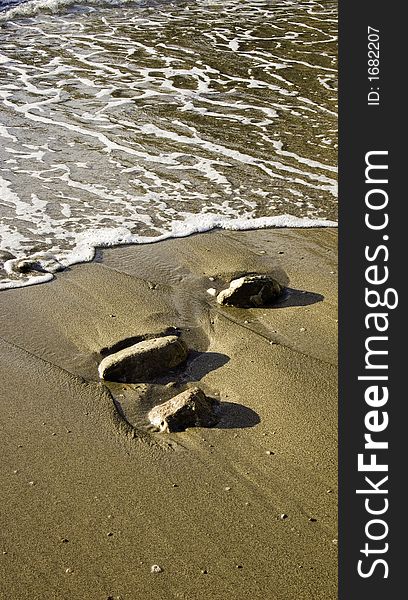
(89, 503)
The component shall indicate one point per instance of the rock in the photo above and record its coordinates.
(143, 360)
(43, 263)
(191, 408)
(250, 290)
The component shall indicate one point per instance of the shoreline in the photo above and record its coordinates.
(202, 500)
(48, 264)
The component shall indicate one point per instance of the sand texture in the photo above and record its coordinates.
(91, 497)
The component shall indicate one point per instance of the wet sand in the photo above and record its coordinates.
(91, 498)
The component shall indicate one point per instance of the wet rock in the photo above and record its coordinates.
(42, 263)
(144, 360)
(250, 291)
(191, 408)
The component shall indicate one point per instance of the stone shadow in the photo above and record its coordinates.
(236, 416)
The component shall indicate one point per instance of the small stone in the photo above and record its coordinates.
(334, 541)
(20, 446)
(270, 453)
(53, 433)
(211, 278)
(143, 360)
(31, 483)
(112, 316)
(175, 485)
(212, 292)
(239, 566)
(109, 534)
(329, 491)
(191, 408)
(68, 570)
(64, 540)
(283, 516)
(302, 329)
(15, 471)
(204, 571)
(156, 569)
(312, 520)
(250, 290)
(4, 551)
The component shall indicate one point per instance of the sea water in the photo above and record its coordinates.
(131, 122)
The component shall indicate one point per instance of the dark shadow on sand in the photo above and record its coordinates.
(200, 364)
(292, 297)
(236, 416)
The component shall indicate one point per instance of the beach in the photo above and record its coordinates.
(92, 498)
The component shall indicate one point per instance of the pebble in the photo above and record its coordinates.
(302, 329)
(156, 569)
(64, 540)
(20, 446)
(204, 571)
(109, 534)
(329, 491)
(211, 278)
(227, 489)
(15, 471)
(312, 520)
(175, 485)
(69, 570)
(31, 483)
(270, 453)
(239, 566)
(334, 541)
(283, 516)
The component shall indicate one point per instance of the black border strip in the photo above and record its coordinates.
(364, 128)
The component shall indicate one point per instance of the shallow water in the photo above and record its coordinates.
(126, 122)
